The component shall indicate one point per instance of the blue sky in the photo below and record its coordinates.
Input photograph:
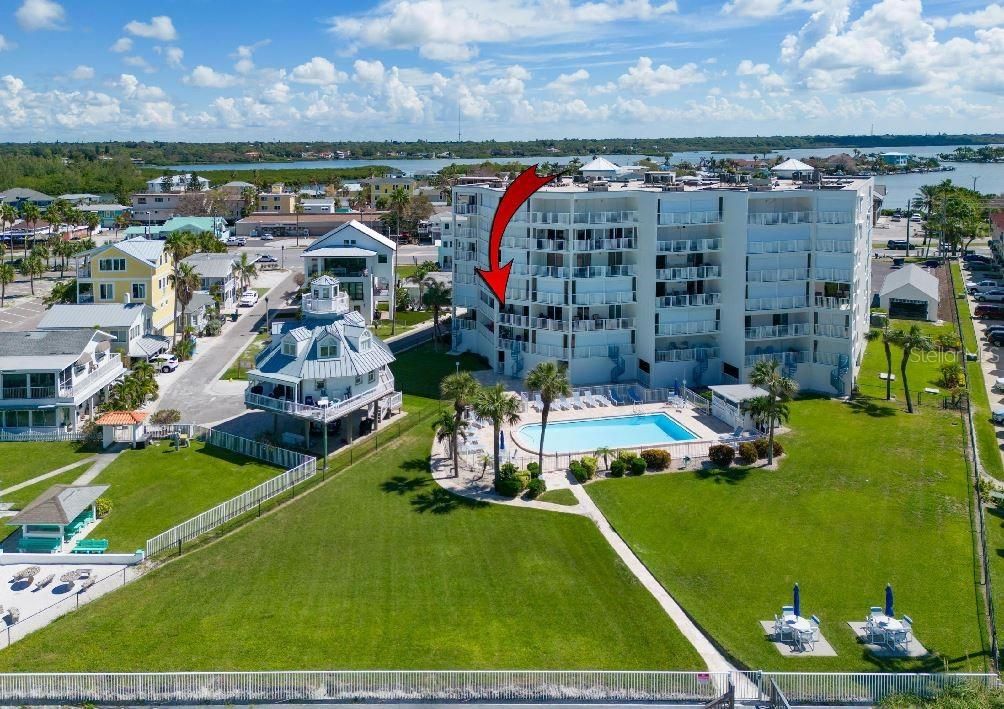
(404, 69)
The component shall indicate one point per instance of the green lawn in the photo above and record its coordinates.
(561, 496)
(418, 372)
(24, 461)
(406, 320)
(378, 568)
(159, 487)
(245, 361)
(20, 498)
(866, 495)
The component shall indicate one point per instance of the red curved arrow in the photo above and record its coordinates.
(497, 277)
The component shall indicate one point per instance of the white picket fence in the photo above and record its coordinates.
(299, 466)
(467, 686)
(40, 436)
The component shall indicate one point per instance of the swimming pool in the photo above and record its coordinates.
(655, 429)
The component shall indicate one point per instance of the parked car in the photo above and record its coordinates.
(897, 244)
(999, 384)
(995, 295)
(897, 218)
(267, 236)
(980, 258)
(931, 263)
(989, 312)
(997, 416)
(996, 339)
(916, 218)
(164, 362)
(237, 241)
(249, 299)
(993, 330)
(267, 258)
(983, 285)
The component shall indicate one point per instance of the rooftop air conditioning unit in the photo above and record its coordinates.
(598, 186)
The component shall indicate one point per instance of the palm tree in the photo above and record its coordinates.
(122, 221)
(92, 220)
(766, 374)
(452, 430)
(7, 276)
(421, 272)
(462, 388)
(496, 405)
(31, 214)
(399, 199)
(185, 281)
(33, 267)
(146, 382)
(551, 381)
(437, 296)
(604, 452)
(64, 250)
(7, 218)
(249, 201)
(912, 340)
(245, 271)
(180, 245)
(888, 337)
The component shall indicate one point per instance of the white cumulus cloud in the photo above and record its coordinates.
(318, 71)
(82, 72)
(6, 44)
(122, 44)
(160, 27)
(646, 78)
(40, 15)
(208, 78)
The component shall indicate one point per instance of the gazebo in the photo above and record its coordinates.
(111, 421)
(56, 516)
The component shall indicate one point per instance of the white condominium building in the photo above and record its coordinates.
(665, 284)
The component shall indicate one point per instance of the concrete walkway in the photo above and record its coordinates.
(46, 476)
(102, 461)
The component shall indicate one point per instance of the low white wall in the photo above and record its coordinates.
(89, 559)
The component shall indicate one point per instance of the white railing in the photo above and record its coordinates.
(765, 332)
(685, 246)
(465, 232)
(605, 298)
(689, 327)
(602, 244)
(832, 303)
(834, 275)
(686, 301)
(775, 218)
(829, 217)
(552, 218)
(687, 218)
(833, 331)
(587, 351)
(781, 246)
(338, 304)
(336, 409)
(605, 217)
(455, 686)
(777, 303)
(299, 467)
(788, 357)
(7, 436)
(602, 271)
(533, 348)
(692, 354)
(585, 325)
(839, 246)
(548, 298)
(687, 273)
(777, 275)
(529, 321)
(465, 209)
(832, 359)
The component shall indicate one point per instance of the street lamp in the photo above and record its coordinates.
(458, 366)
(267, 327)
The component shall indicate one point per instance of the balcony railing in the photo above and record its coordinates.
(550, 218)
(604, 298)
(331, 412)
(777, 275)
(689, 246)
(833, 275)
(528, 321)
(775, 218)
(783, 246)
(830, 217)
(767, 332)
(603, 244)
(777, 303)
(30, 392)
(828, 330)
(839, 246)
(691, 354)
(466, 232)
(465, 255)
(587, 351)
(556, 351)
(597, 324)
(687, 218)
(602, 271)
(465, 209)
(530, 243)
(689, 327)
(688, 273)
(548, 298)
(337, 305)
(832, 303)
(688, 301)
(605, 217)
(833, 359)
(787, 357)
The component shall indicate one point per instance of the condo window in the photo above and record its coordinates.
(327, 351)
(112, 264)
(139, 291)
(289, 349)
(372, 377)
(106, 291)
(381, 258)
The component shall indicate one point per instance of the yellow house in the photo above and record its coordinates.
(131, 271)
(384, 186)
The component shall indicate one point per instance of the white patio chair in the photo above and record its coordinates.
(787, 611)
(782, 631)
(584, 402)
(805, 640)
(814, 623)
(537, 404)
(601, 400)
(876, 612)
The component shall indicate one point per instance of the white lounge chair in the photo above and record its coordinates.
(537, 404)
(583, 401)
(601, 400)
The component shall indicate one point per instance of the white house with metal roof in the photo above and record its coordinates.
(793, 169)
(326, 370)
(910, 292)
(53, 379)
(131, 324)
(361, 259)
(217, 270)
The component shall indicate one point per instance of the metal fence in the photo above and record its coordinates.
(467, 686)
(299, 466)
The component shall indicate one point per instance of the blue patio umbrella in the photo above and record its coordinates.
(797, 601)
(888, 600)
(501, 440)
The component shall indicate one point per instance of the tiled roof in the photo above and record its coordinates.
(121, 418)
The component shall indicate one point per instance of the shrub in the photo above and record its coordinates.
(617, 468)
(508, 470)
(638, 466)
(165, 417)
(778, 449)
(535, 488)
(656, 459)
(761, 445)
(626, 456)
(103, 506)
(948, 341)
(508, 487)
(534, 470)
(213, 327)
(589, 463)
(747, 453)
(721, 455)
(951, 375)
(578, 471)
(92, 433)
(523, 478)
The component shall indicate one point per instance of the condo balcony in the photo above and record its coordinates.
(465, 209)
(603, 244)
(832, 303)
(689, 246)
(776, 218)
(688, 301)
(603, 298)
(337, 305)
(769, 332)
(831, 217)
(596, 323)
(832, 359)
(790, 302)
(688, 273)
(689, 327)
(833, 275)
(836, 331)
(466, 232)
(839, 246)
(688, 218)
(782, 246)
(787, 357)
(530, 243)
(777, 275)
(615, 217)
(588, 351)
(530, 322)
(555, 351)
(687, 354)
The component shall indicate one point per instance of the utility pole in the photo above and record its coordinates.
(909, 218)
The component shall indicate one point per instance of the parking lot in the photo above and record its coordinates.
(21, 309)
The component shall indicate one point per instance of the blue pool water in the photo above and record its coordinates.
(615, 432)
